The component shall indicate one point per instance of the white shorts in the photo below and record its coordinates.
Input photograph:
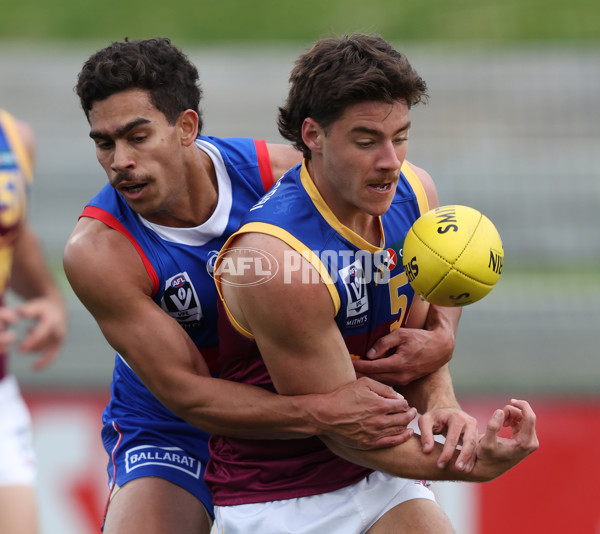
(17, 459)
(350, 510)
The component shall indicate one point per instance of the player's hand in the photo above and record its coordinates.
(366, 414)
(48, 330)
(459, 428)
(496, 454)
(8, 318)
(406, 354)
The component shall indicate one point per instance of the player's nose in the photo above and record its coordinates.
(122, 158)
(388, 157)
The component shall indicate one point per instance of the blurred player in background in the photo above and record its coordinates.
(140, 260)
(23, 270)
(332, 223)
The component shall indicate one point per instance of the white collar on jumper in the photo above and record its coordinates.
(215, 225)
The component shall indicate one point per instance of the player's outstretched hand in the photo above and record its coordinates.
(47, 333)
(459, 428)
(366, 414)
(495, 454)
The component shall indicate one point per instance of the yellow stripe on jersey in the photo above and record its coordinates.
(217, 278)
(233, 320)
(295, 244)
(417, 187)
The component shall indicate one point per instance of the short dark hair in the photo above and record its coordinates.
(154, 65)
(339, 72)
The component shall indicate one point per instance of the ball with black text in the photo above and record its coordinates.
(453, 255)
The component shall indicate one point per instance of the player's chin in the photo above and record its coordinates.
(379, 203)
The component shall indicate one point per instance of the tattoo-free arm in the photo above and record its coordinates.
(109, 278)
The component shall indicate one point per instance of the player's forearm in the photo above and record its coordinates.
(183, 385)
(432, 391)
(408, 461)
(444, 321)
(31, 277)
(494, 455)
(443, 317)
(243, 411)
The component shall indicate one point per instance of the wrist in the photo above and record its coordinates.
(56, 298)
(485, 471)
(311, 414)
(444, 323)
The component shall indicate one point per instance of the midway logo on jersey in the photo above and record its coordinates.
(356, 290)
(173, 457)
(180, 300)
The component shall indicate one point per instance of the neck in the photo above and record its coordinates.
(204, 187)
(368, 227)
(194, 200)
(360, 222)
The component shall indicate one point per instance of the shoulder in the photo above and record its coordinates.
(427, 183)
(90, 243)
(291, 288)
(283, 157)
(94, 253)
(238, 149)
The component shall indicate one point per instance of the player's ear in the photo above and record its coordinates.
(312, 134)
(187, 125)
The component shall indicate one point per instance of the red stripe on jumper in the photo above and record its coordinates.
(264, 164)
(110, 220)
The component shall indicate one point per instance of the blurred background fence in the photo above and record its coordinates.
(512, 128)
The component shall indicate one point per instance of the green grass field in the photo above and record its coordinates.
(480, 21)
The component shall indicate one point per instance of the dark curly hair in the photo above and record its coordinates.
(339, 72)
(155, 65)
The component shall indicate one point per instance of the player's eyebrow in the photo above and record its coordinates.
(119, 132)
(364, 129)
(404, 128)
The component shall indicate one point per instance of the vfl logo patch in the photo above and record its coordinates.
(356, 289)
(180, 300)
(173, 457)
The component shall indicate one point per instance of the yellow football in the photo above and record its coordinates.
(453, 255)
